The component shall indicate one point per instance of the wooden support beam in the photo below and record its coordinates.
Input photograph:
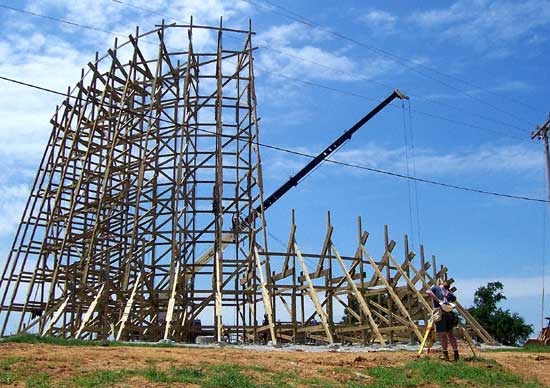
(395, 298)
(362, 303)
(313, 295)
(89, 312)
(412, 287)
(265, 296)
(56, 316)
(171, 302)
(128, 308)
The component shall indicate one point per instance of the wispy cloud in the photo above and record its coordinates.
(379, 20)
(488, 158)
(12, 203)
(295, 50)
(515, 158)
(489, 24)
(505, 86)
(514, 286)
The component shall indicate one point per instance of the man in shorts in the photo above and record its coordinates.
(440, 294)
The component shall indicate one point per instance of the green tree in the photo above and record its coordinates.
(506, 327)
(353, 304)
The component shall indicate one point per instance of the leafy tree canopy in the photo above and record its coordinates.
(506, 327)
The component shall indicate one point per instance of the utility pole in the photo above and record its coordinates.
(542, 133)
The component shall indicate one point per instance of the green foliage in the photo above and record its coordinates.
(6, 363)
(36, 339)
(429, 373)
(100, 379)
(530, 348)
(186, 375)
(38, 380)
(349, 318)
(7, 374)
(229, 376)
(506, 327)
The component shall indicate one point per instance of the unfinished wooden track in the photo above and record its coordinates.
(136, 227)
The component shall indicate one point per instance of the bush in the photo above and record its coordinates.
(505, 327)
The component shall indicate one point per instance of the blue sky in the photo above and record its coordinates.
(477, 75)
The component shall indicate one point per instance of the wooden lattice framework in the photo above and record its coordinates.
(385, 300)
(139, 220)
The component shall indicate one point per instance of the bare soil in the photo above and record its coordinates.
(62, 362)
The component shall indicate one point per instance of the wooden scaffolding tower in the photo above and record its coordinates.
(139, 226)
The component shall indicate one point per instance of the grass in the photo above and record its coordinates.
(100, 378)
(36, 339)
(8, 375)
(421, 373)
(38, 380)
(484, 373)
(531, 348)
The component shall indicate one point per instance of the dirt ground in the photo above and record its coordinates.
(67, 361)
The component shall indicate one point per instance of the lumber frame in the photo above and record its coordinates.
(143, 217)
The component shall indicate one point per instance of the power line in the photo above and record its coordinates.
(424, 113)
(302, 59)
(64, 21)
(297, 80)
(71, 23)
(303, 154)
(402, 60)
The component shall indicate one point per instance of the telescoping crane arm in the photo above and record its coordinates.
(293, 181)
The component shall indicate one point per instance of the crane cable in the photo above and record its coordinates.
(407, 169)
(415, 183)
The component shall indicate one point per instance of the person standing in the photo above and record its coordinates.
(441, 296)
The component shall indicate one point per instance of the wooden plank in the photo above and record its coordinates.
(171, 302)
(90, 311)
(56, 316)
(265, 296)
(392, 294)
(364, 306)
(313, 295)
(128, 308)
(420, 297)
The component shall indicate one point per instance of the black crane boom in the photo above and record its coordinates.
(294, 180)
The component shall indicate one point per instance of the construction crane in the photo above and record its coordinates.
(294, 181)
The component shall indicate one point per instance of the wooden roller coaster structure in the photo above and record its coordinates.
(146, 217)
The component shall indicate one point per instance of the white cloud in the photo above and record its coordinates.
(12, 203)
(379, 20)
(488, 24)
(296, 51)
(487, 158)
(516, 158)
(506, 86)
(514, 287)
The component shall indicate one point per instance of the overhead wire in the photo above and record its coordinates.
(340, 71)
(68, 22)
(299, 80)
(303, 154)
(420, 112)
(287, 13)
